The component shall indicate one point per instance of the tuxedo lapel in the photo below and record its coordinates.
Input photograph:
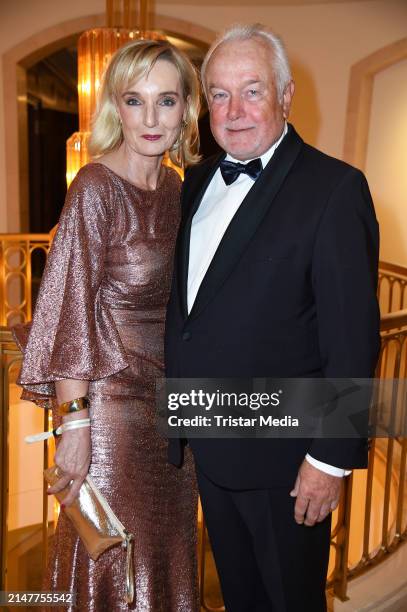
(243, 225)
(191, 201)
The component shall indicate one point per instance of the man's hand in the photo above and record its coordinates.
(317, 494)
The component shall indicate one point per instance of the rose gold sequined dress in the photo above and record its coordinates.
(100, 317)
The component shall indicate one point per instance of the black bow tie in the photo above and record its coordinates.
(231, 170)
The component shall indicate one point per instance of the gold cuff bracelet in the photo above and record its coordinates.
(81, 403)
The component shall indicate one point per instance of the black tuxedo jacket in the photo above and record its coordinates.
(290, 292)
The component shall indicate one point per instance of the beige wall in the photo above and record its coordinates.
(323, 41)
(26, 464)
(386, 165)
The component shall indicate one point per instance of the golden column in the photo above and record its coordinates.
(126, 20)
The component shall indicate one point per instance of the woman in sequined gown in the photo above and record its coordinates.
(98, 329)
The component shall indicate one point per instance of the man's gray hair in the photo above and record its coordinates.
(281, 65)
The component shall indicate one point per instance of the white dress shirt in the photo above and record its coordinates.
(218, 207)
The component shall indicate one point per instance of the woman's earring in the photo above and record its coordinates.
(181, 142)
(177, 146)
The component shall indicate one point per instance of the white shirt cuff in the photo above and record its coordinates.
(325, 467)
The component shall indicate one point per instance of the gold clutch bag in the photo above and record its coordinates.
(96, 524)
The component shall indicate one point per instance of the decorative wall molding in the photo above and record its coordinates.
(360, 99)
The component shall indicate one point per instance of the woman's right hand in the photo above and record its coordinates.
(72, 458)
(74, 447)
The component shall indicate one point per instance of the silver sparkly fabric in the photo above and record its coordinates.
(100, 317)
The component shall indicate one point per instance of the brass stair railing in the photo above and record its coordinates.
(383, 521)
(17, 256)
(387, 458)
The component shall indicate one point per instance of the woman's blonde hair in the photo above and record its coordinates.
(130, 63)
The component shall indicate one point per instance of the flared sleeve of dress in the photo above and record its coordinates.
(72, 334)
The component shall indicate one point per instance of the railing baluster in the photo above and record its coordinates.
(368, 504)
(402, 489)
(9, 358)
(342, 549)
(386, 498)
(390, 301)
(45, 530)
(390, 449)
(3, 464)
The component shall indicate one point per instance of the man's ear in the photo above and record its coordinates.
(287, 98)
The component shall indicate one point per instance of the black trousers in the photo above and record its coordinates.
(266, 562)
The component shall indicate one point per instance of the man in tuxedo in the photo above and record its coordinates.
(275, 276)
